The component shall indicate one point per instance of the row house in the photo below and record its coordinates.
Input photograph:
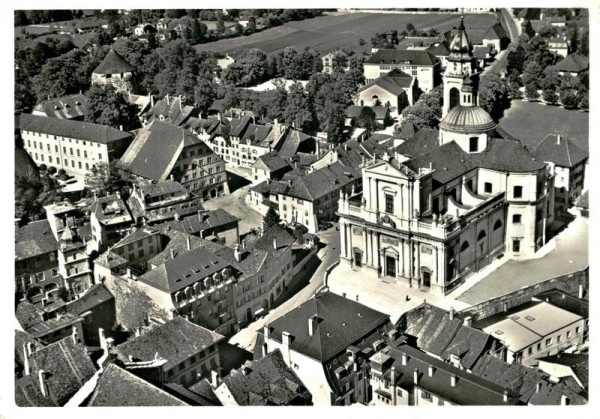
(162, 150)
(110, 221)
(36, 262)
(438, 210)
(73, 253)
(327, 341)
(177, 351)
(74, 146)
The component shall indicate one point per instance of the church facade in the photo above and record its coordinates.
(433, 212)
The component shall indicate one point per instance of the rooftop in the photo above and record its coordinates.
(340, 323)
(96, 295)
(572, 63)
(175, 341)
(119, 387)
(559, 150)
(110, 210)
(267, 381)
(113, 63)
(394, 56)
(467, 119)
(394, 82)
(34, 239)
(65, 107)
(354, 111)
(80, 130)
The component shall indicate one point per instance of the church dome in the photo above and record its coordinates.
(467, 119)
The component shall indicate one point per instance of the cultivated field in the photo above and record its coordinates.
(341, 30)
(531, 122)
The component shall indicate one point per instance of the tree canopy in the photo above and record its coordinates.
(107, 106)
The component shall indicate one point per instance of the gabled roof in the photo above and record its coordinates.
(65, 107)
(496, 31)
(155, 150)
(551, 394)
(203, 389)
(98, 294)
(320, 182)
(113, 63)
(34, 239)
(421, 141)
(468, 389)
(341, 322)
(172, 110)
(68, 368)
(119, 387)
(278, 233)
(395, 82)
(272, 162)
(394, 56)
(572, 63)
(174, 341)
(267, 381)
(559, 150)
(80, 130)
(439, 49)
(204, 220)
(292, 143)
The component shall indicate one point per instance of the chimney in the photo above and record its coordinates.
(172, 254)
(581, 290)
(121, 127)
(118, 194)
(505, 306)
(468, 321)
(558, 139)
(453, 380)
(189, 242)
(137, 332)
(74, 335)
(275, 243)
(26, 353)
(151, 100)
(313, 321)
(286, 339)
(236, 253)
(180, 104)
(43, 385)
(214, 379)
(171, 177)
(564, 400)
(102, 338)
(451, 313)
(538, 387)
(393, 384)
(431, 370)
(168, 100)
(416, 376)
(266, 332)
(505, 396)
(404, 359)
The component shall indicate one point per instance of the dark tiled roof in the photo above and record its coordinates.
(44, 328)
(267, 381)
(292, 143)
(66, 107)
(573, 63)
(341, 322)
(413, 57)
(118, 387)
(204, 390)
(353, 111)
(239, 125)
(564, 153)
(29, 394)
(68, 368)
(110, 209)
(96, 133)
(468, 390)
(173, 111)
(155, 150)
(21, 340)
(449, 162)
(34, 239)
(278, 233)
(154, 189)
(515, 377)
(28, 314)
(188, 396)
(255, 134)
(420, 142)
(272, 161)
(439, 49)
(113, 63)
(509, 156)
(175, 341)
(321, 182)
(204, 220)
(409, 129)
(96, 295)
(551, 394)
(496, 31)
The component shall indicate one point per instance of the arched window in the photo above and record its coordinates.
(497, 225)
(481, 235)
(464, 246)
(454, 98)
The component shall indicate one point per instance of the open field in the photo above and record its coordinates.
(530, 122)
(341, 30)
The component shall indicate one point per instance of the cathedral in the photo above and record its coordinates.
(435, 210)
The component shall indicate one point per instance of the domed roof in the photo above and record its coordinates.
(467, 119)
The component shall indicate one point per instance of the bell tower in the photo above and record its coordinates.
(460, 77)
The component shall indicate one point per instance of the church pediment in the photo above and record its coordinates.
(386, 168)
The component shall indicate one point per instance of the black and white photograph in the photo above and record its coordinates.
(346, 206)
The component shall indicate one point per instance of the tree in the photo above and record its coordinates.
(270, 219)
(204, 94)
(493, 95)
(104, 179)
(367, 119)
(32, 193)
(574, 39)
(56, 78)
(550, 96)
(107, 106)
(584, 103)
(427, 111)
(298, 111)
(584, 44)
(220, 26)
(533, 73)
(528, 29)
(531, 91)
(569, 99)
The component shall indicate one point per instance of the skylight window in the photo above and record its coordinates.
(530, 318)
(499, 332)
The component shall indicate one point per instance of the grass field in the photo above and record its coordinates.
(341, 30)
(531, 122)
